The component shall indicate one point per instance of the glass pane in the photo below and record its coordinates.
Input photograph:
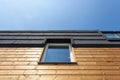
(57, 54)
(118, 35)
(112, 36)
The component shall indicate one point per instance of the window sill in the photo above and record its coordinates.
(57, 63)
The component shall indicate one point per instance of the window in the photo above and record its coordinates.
(110, 35)
(118, 35)
(58, 53)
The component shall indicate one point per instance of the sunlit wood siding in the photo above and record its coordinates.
(93, 64)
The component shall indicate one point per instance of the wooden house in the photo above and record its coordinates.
(60, 55)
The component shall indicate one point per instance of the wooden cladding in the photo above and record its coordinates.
(92, 64)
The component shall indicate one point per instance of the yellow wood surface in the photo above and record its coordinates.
(92, 64)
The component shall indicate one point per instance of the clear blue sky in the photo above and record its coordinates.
(59, 14)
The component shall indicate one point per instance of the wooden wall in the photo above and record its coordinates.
(93, 64)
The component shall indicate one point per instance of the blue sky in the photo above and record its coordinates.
(60, 15)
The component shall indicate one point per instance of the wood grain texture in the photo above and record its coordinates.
(92, 64)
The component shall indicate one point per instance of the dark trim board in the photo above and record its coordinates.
(22, 45)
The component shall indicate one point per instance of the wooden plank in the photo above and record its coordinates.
(29, 77)
(81, 72)
(25, 67)
(14, 63)
(97, 52)
(97, 59)
(9, 77)
(6, 67)
(19, 56)
(30, 67)
(60, 72)
(46, 72)
(97, 48)
(26, 63)
(19, 52)
(60, 77)
(95, 77)
(74, 77)
(117, 77)
(99, 63)
(9, 72)
(97, 56)
(30, 72)
(6, 63)
(71, 77)
(77, 67)
(102, 49)
(47, 77)
(19, 59)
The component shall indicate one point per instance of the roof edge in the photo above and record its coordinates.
(17, 31)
